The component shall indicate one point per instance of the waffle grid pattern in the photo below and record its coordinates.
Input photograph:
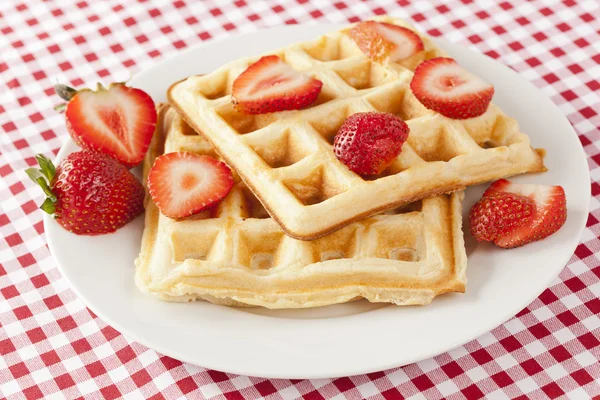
(50, 342)
(235, 252)
(302, 184)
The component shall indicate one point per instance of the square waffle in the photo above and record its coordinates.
(237, 255)
(287, 160)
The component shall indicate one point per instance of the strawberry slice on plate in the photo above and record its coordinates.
(512, 215)
(271, 85)
(380, 40)
(182, 184)
(498, 214)
(442, 85)
(118, 121)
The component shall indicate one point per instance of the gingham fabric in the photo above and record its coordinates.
(52, 346)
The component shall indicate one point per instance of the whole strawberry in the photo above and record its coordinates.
(118, 120)
(368, 142)
(89, 193)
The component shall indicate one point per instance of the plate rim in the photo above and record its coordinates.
(433, 351)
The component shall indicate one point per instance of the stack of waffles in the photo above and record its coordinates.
(299, 228)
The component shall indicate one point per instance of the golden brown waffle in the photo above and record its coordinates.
(287, 160)
(237, 254)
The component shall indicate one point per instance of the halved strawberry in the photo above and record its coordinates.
(271, 85)
(549, 212)
(182, 184)
(380, 40)
(118, 120)
(442, 85)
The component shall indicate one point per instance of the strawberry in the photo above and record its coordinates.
(368, 142)
(549, 213)
(89, 193)
(118, 120)
(182, 184)
(442, 85)
(271, 85)
(498, 214)
(380, 40)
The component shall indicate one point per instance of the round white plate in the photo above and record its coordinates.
(345, 339)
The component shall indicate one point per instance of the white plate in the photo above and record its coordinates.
(345, 339)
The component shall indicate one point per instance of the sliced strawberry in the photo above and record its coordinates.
(501, 185)
(498, 214)
(549, 214)
(442, 85)
(368, 142)
(270, 85)
(183, 184)
(118, 120)
(380, 40)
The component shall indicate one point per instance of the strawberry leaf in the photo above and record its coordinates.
(47, 191)
(34, 174)
(43, 177)
(60, 107)
(47, 168)
(48, 206)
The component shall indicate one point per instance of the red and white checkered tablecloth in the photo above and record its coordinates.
(51, 343)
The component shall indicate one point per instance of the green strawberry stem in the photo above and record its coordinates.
(60, 107)
(64, 92)
(43, 177)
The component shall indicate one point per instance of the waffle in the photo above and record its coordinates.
(238, 255)
(287, 160)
